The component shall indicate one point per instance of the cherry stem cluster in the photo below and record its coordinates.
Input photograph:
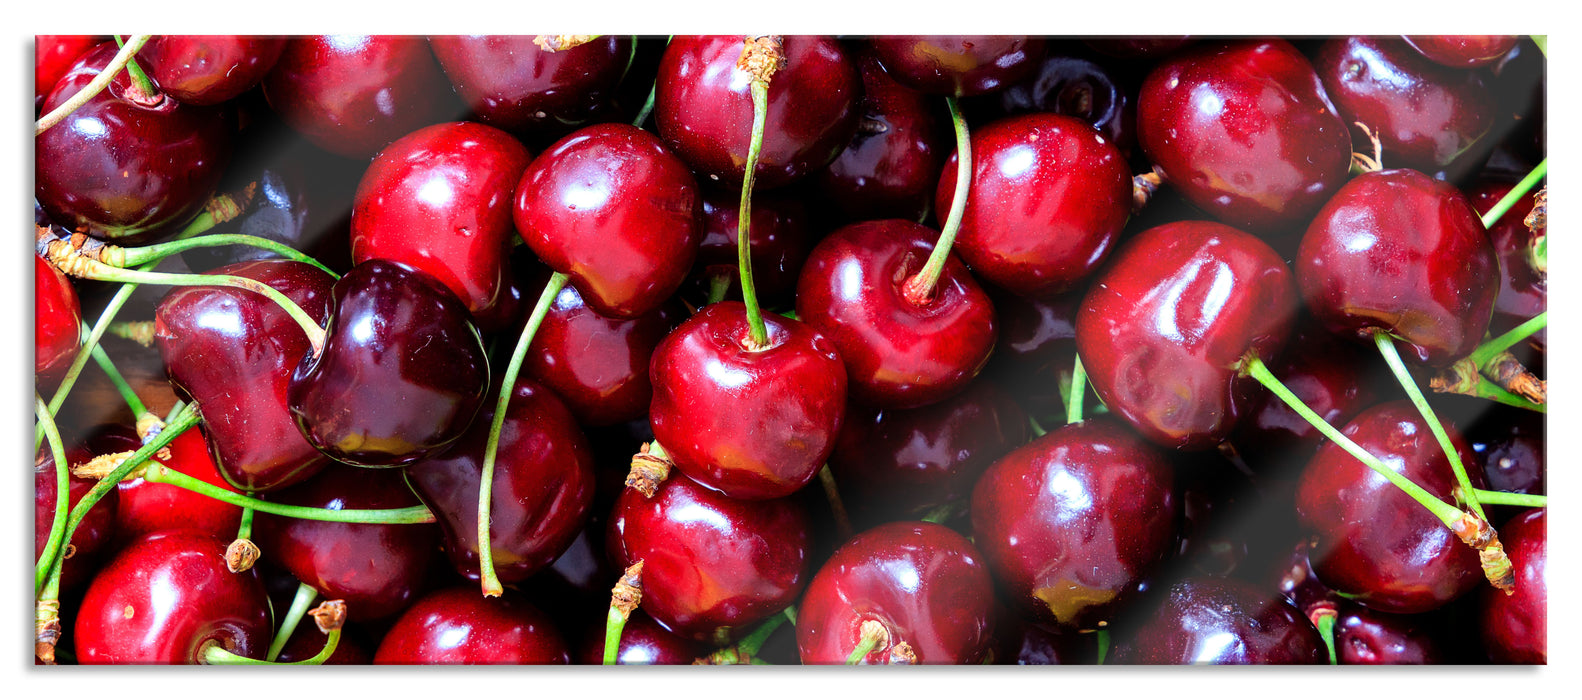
(1392, 357)
(95, 86)
(299, 606)
(921, 286)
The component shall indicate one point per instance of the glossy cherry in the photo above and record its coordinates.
(704, 110)
(1071, 82)
(92, 535)
(1398, 251)
(1222, 621)
(1462, 51)
(1163, 331)
(890, 167)
(958, 65)
(402, 373)
(1049, 196)
(1515, 628)
(440, 200)
(643, 643)
(612, 208)
(208, 70)
(145, 507)
(510, 83)
(750, 422)
(53, 55)
(543, 486)
(926, 585)
(712, 565)
(1373, 638)
(900, 351)
(1330, 376)
(1372, 542)
(780, 237)
(1245, 131)
(459, 626)
(1074, 521)
(1523, 292)
(166, 597)
(1036, 351)
(1510, 445)
(57, 319)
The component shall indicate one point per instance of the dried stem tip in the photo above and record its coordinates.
(225, 207)
(1477, 533)
(762, 57)
(241, 555)
(1462, 377)
(62, 249)
(628, 592)
(902, 655)
(1511, 375)
(1143, 188)
(47, 630)
(649, 470)
(330, 615)
(562, 42)
(1538, 218)
(101, 466)
(149, 426)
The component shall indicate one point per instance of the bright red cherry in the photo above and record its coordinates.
(92, 535)
(1515, 627)
(53, 55)
(511, 83)
(890, 167)
(958, 65)
(460, 626)
(208, 70)
(1462, 51)
(1523, 292)
(146, 507)
(1222, 621)
(57, 318)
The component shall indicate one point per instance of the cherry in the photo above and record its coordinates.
(1073, 522)
(1369, 637)
(307, 641)
(352, 94)
(402, 373)
(165, 598)
(751, 422)
(1462, 51)
(144, 507)
(1163, 330)
(53, 55)
(1048, 199)
(510, 83)
(900, 351)
(1222, 621)
(176, 151)
(1397, 251)
(612, 208)
(779, 236)
(232, 352)
(458, 626)
(1523, 292)
(440, 200)
(922, 583)
(92, 535)
(643, 643)
(1036, 351)
(543, 486)
(1245, 131)
(208, 70)
(1509, 443)
(1515, 628)
(712, 565)
(1329, 375)
(1372, 542)
(57, 319)
(958, 65)
(1071, 82)
(1022, 643)
(377, 569)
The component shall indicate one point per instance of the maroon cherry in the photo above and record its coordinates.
(1049, 196)
(712, 565)
(779, 239)
(543, 486)
(704, 109)
(900, 350)
(402, 373)
(126, 165)
(1398, 251)
(1515, 627)
(1165, 327)
(1462, 51)
(459, 626)
(53, 55)
(643, 643)
(208, 70)
(146, 507)
(232, 352)
(613, 209)
(92, 535)
(1329, 375)
(958, 66)
(1070, 82)
(307, 641)
(1372, 542)
(1073, 522)
(165, 598)
(511, 83)
(1036, 351)
(439, 200)
(1510, 445)
(752, 422)
(57, 319)
(1523, 292)
(352, 94)
(1365, 637)
(1245, 131)
(1222, 621)
(922, 583)
(377, 569)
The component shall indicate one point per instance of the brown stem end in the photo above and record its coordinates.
(628, 592)
(1479, 535)
(648, 471)
(329, 615)
(1511, 375)
(551, 43)
(47, 631)
(241, 555)
(761, 57)
(1144, 187)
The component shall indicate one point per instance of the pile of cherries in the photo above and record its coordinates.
(801, 349)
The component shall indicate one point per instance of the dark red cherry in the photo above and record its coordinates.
(1245, 131)
(900, 352)
(1515, 628)
(543, 486)
(780, 237)
(208, 70)
(439, 200)
(377, 569)
(1373, 638)
(1329, 375)
(92, 535)
(1019, 642)
(1164, 329)
(53, 55)
(1523, 292)
(166, 597)
(926, 585)
(750, 422)
(402, 374)
(1510, 446)
(704, 109)
(1049, 196)
(1426, 116)
(712, 565)
(1036, 351)
(1070, 82)
(1222, 621)
(57, 319)
(460, 626)
(510, 83)
(1462, 51)
(147, 507)
(307, 641)
(117, 168)
(1372, 542)
(232, 352)
(352, 94)
(958, 65)
(643, 643)
(612, 208)
(1398, 251)
(890, 167)
(1072, 523)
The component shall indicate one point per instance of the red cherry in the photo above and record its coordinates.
(643, 643)
(510, 83)
(958, 65)
(1079, 84)
(208, 70)
(146, 507)
(1462, 51)
(1515, 628)
(459, 626)
(1222, 621)
(1369, 637)
(92, 535)
(1134, 47)
(1510, 444)
(779, 239)
(57, 319)
(53, 55)
(1523, 292)
(1330, 376)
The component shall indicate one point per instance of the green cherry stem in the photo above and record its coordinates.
(873, 632)
(489, 580)
(836, 505)
(1392, 357)
(121, 385)
(1079, 390)
(746, 651)
(1038, 430)
(1520, 190)
(1324, 620)
(648, 107)
(129, 257)
(1102, 637)
(299, 606)
(214, 655)
(759, 334)
(625, 596)
(57, 528)
(146, 92)
(921, 286)
(158, 473)
(1490, 348)
(95, 86)
(1502, 498)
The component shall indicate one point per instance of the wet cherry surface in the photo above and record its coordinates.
(208, 70)
(459, 626)
(510, 83)
(958, 65)
(57, 319)
(1222, 621)
(1515, 627)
